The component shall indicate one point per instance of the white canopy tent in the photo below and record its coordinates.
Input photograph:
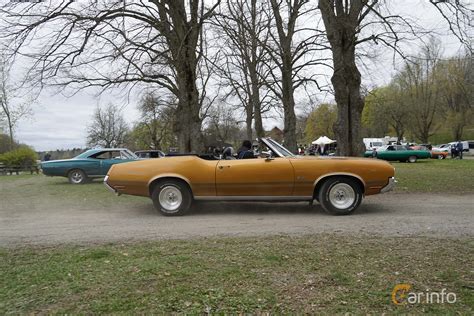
(323, 140)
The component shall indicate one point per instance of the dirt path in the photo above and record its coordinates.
(387, 215)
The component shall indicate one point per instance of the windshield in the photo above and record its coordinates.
(282, 151)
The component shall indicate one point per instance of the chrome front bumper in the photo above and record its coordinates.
(111, 189)
(389, 186)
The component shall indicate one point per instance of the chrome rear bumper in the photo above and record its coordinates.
(111, 189)
(389, 186)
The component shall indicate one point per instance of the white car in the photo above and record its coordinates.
(442, 147)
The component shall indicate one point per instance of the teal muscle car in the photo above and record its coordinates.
(398, 152)
(90, 164)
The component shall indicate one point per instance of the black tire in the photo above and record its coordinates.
(374, 154)
(412, 159)
(340, 186)
(77, 176)
(171, 198)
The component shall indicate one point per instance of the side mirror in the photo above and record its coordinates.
(269, 156)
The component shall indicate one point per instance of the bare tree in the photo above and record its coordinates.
(456, 79)
(116, 43)
(418, 81)
(108, 128)
(12, 108)
(222, 125)
(157, 119)
(351, 23)
(245, 27)
(290, 56)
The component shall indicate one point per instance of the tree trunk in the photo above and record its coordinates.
(346, 81)
(10, 130)
(257, 107)
(289, 132)
(341, 31)
(187, 125)
(248, 121)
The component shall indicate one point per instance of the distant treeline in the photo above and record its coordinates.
(61, 153)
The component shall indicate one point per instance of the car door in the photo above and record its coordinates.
(255, 177)
(388, 154)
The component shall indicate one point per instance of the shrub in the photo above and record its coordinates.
(23, 156)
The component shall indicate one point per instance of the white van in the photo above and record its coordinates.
(373, 143)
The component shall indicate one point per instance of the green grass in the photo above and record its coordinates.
(54, 192)
(436, 176)
(307, 274)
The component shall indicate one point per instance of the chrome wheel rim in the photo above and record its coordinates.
(170, 198)
(412, 159)
(342, 196)
(76, 177)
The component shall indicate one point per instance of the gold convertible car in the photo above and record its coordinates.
(173, 183)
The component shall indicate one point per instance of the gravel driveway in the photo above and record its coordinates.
(391, 214)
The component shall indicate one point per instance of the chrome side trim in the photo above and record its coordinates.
(389, 186)
(253, 198)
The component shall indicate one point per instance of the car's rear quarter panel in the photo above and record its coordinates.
(61, 168)
(373, 173)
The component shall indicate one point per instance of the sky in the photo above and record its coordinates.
(60, 122)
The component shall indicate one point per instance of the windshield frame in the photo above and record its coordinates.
(277, 148)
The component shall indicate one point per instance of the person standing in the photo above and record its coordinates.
(453, 151)
(459, 149)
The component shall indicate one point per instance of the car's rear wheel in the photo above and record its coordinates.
(77, 176)
(340, 195)
(171, 198)
(441, 157)
(412, 159)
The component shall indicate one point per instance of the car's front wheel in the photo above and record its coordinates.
(171, 198)
(412, 159)
(77, 176)
(340, 195)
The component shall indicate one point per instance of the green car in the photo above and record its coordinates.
(90, 164)
(398, 152)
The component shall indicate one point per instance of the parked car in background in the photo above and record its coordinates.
(173, 183)
(146, 154)
(398, 152)
(94, 163)
(442, 147)
(436, 154)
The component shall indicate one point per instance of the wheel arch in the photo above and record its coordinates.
(154, 181)
(319, 182)
(75, 168)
